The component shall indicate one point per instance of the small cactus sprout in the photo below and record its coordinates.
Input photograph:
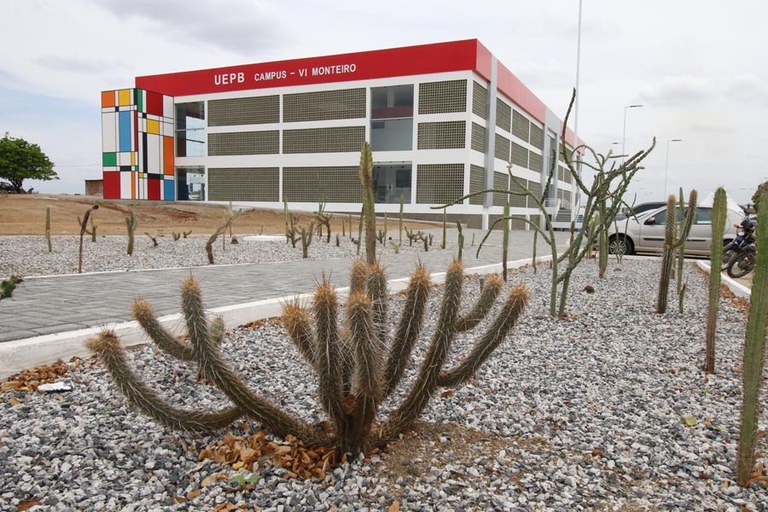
(8, 285)
(716, 257)
(754, 352)
(671, 244)
(460, 240)
(400, 222)
(306, 239)
(358, 362)
(130, 224)
(176, 236)
(153, 238)
(445, 232)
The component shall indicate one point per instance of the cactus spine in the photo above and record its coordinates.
(754, 352)
(131, 223)
(671, 244)
(48, 228)
(718, 227)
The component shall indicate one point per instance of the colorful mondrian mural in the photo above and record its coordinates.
(137, 144)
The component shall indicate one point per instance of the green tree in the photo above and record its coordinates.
(20, 160)
(756, 196)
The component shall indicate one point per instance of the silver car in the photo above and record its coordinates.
(645, 232)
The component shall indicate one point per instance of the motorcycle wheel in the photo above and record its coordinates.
(727, 255)
(742, 264)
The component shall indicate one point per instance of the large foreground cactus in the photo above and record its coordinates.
(358, 362)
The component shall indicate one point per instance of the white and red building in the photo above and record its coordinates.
(444, 120)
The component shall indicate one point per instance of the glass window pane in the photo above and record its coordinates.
(392, 135)
(390, 181)
(392, 102)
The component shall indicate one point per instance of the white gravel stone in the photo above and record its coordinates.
(588, 409)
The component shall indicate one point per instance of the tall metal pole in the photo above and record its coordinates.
(574, 190)
(624, 133)
(666, 165)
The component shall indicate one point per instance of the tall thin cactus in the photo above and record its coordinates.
(400, 221)
(83, 229)
(671, 244)
(681, 249)
(716, 257)
(754, 352)
(48, 228)
(130, 224)
(366, 180)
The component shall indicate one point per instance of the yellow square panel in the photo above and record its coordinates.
(142, 175)
(153, 126)
(133, 158)
(124, 97)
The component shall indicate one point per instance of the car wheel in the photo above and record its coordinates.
(620, 244)
(742, 264)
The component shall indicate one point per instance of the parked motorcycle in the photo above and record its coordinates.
(745, 235)
(744, 262)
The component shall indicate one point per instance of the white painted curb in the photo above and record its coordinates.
(737, 288)
(18, 355)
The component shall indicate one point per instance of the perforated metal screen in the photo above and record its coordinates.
(519, 155)
(476, 183)
(518, 186)
(240, 111)
(342, 139)
(442, 135)
(502, 147)
(324, 105)
(537, 136)
(443, 97)
(479, 103)
(503, 115)
(500, 182)
(534, 161)
(244, 143)
(243, 184)
(478, 138)
(330, 184)
(521, 127)
(439, 183)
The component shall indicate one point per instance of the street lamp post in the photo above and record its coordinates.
(666, 164)
(624, 133)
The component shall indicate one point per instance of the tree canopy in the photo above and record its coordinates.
(20, 160)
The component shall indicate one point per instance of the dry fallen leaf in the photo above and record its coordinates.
(394, 507)
(28, 504)
(194, 493)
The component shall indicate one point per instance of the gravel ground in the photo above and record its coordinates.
(586, 413)
(28, 255)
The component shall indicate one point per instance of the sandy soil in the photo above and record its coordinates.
(25, 215)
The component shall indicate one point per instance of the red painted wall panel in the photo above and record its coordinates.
(153, 189)
(111, 184)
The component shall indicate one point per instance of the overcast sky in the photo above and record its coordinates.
(698, 67)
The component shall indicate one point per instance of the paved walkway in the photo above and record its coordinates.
(49, 305)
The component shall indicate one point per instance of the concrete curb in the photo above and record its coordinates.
(737, 288)
(18, 355)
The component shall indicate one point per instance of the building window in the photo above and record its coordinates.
(390, 181)
(392, 118)
(190, 129)
(190, 183)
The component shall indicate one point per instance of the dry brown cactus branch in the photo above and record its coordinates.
(490, 341)
(408, 329)
(167, 342)
(490, 292)
(107, 346)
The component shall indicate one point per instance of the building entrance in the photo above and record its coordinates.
(190, 183)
